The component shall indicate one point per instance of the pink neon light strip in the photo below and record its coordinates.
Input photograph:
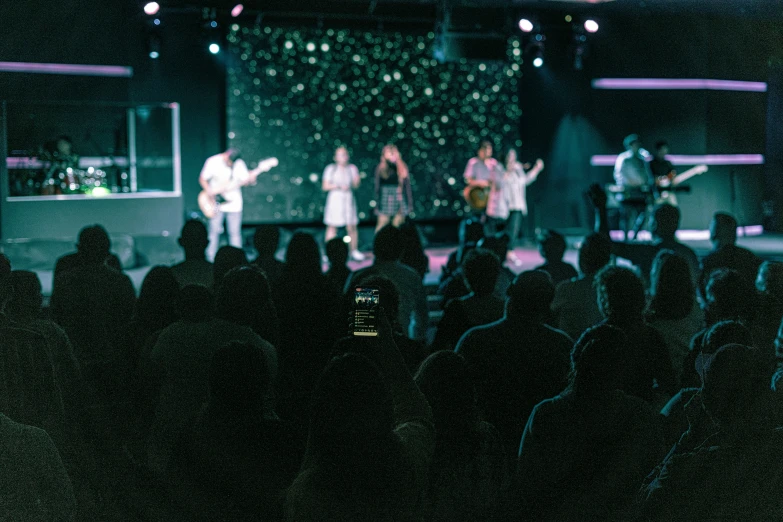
(691, 235)
(709, 159)
(116, 71)
(678, 84)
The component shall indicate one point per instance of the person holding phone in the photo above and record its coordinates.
(340, 179)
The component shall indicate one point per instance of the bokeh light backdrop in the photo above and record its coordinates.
(299, 93)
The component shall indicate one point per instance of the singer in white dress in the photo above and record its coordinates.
(340, 179)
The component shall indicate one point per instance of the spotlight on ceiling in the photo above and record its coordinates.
(591, 26)
(151, 8)
(214, 48)
(525, 25)
(237, 10)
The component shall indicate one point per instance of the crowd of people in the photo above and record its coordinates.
(236, 390)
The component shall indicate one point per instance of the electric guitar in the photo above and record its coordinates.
(672, 180)
(210, 203)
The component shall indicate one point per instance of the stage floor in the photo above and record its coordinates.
(40, 258)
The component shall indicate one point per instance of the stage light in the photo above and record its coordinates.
(151, 8)
(538, 61)
(237, 10)
(525, 25)
(591, 26)
(214, 48)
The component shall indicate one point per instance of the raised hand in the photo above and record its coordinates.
(597, 195)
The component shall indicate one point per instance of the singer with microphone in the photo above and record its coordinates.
(632, 174)
(484, 179)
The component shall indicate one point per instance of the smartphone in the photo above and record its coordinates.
(367, 302)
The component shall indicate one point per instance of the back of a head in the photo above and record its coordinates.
(481, 268)
(266, 240)
(388, 244)
(26, 297)
(389, 294)
(673, 292)
(620, 293)
(734, 379)
(352, 410)
(770, 280)
(158, 294)
(531, 295)
(238, 380)
(303, 257)
(597, 360)
(729, 295)
(666, 221)
(470, 232)
(337, 251)
(444, 380)
(723, 333)
(552, 245)
(594, 254)
(94, 244)
(227, 257)
(724, 228)
(194, 235)
(242, 295)
(498, 244)
(195, 303)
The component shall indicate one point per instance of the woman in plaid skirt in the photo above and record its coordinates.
(392, 188)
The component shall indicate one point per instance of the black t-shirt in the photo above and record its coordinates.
(661, 167)
(391, 171)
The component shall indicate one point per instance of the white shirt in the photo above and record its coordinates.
(515, 188)
(226, 180)
(631, 170)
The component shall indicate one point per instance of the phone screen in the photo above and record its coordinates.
(365, 315)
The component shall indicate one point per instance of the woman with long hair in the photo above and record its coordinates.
(392, 188)
(673, 309)
(515, 181)
(340, 179)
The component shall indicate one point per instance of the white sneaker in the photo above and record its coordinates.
(357, 256)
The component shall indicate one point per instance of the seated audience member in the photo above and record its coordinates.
(648, 368)
(337, 254)
(180, 361)
(518, 361)
(413, 254)
(480, 306)
(769, 284)
(456, 287)
(33, 482)
(552, 247)
(584, 452)
(310, 319)
(675, 412)
(94, 290)
(237, 450)
(673, 310)
(664, 225)
(575, 307)
(729, 296)
(412, 351)
(370, 442)
(735, 473)
(266, 241)
(227, 257)
(468, 471)
(245, 298)
(725, 252)
(195, 269)
(388, 248)
(90, 238)
(470, 233)
(23, 310)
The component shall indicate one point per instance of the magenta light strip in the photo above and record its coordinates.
(709, 159)
(678, 84)
(116, 71)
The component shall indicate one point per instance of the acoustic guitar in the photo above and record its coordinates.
(210, 204)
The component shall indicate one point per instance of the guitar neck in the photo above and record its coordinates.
(688, 174)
